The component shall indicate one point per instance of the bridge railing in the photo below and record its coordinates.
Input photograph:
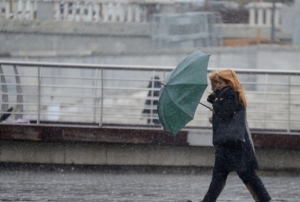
(102, 95)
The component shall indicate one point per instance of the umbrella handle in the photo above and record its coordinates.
(161, 83)
(210, 108)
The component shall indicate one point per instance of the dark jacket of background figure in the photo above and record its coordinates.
(238, 155)
(152, 94)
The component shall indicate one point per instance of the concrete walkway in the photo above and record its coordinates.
(70, 186)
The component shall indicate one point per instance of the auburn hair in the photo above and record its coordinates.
(214, 77)
(230, 77)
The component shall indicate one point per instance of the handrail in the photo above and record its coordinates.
(88, 66)
(140, 67)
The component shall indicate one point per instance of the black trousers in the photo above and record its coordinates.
(250, 179)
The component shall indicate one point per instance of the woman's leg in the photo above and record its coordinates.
(255, 186)
(216, 186)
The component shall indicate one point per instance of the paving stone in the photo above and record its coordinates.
(98, 186)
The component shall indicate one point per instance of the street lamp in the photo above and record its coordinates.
(273, 23)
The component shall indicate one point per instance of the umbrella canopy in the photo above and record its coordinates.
(182, 91)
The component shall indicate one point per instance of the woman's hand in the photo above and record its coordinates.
(211, 98)
(210, 119)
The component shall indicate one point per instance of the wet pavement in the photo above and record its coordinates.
(70, 186)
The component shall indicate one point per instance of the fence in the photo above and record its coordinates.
(112, 95)
(193, 29)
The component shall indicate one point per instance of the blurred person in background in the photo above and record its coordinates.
(152, 101)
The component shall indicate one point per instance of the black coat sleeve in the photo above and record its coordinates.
(226, 104)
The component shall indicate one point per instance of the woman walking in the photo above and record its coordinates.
(232, 154)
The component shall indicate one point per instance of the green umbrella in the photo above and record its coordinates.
(182, 91)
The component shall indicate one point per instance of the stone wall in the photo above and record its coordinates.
(138, 155)
(48, 38)
(132, 146)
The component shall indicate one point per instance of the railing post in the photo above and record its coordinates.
(268, 16)
(129, 13)
(151, 98)
(260, 16)
(4, 105)
(39, 95)
(81, 11)
(19, 106)
(90, 12)
(101, 105)
(105, 13)
(32, 9)
(97, 12)
(56, 11)
(95, 94)
(266, 107)
(73, 12)
(289, 104)
(7, 9)
(66, 11)
(122, 13)
(252, 16)
(277, 16)
(23, 10)
(114, 12)
(137, 13)
(15, 10)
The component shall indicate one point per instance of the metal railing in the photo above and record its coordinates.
(112, 95)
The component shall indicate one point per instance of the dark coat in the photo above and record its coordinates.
(234, 155)
(225, 104)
